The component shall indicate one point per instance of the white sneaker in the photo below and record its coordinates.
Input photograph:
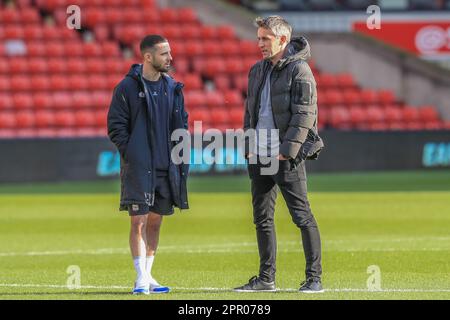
(140, 289)
(155, 287)
(141, 286)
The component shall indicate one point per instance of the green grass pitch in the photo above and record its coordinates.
(399, 222)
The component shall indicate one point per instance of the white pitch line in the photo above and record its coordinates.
(18, 285)
(205, 249)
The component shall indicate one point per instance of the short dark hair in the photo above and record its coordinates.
(150, 41)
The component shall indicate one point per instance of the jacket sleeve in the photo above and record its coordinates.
(119, 120)
(184, 113)
(303, 110)
(246, 124)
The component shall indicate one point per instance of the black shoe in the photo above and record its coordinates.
(255, 284)
(311, 286)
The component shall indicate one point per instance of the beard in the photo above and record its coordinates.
(162, 67)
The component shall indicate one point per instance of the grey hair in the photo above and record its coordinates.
(276, 24)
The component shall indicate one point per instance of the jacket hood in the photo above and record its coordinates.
(135, 73)
(297, 49)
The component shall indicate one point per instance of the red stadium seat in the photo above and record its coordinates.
(333, 97)
(428, 114)
(64, 119)
(369, 96)
(9, 16)
(96, 82)
(237, 116)
(208, 32)
(96, 65)
(12, 32)
(82, 100)
(375, 114)
(345, 80)
(188, 15)
(222, 82)
(358, 116)
(5, 84)
(93, 16)
(173, 31)
(181, 65)
(212, 48)
(110, 49)
(36, 49)
(59, 82)
(77, 82)
(51, 33)
(20, 83)
(151, 16)
(200, 114)
(190, 31)
(101, 118)
(22, 101)
(393, 114)
(193, 49)
(169, 15)
(233, 98)
(62, 100)
(54, 49)
(57, 66)
(132, 15)
(194, 99)
(192, 81)
(44, 119)
(102, 32)
(43, 101)
(249, 48)
(4, 66)
(214, 66)
(219, 117)
(234, 66)
(29, 16)
(352, 96)
(411, 114)
(37, 65)
(101, 99)
(32, 32)
(84, 119)
(7, 120)
(230, 48)
(434, 125)
(18, 66)
(326, 80)
(73, 49)
(386, 97)
(40, 83)
(6, 101)
(226, 32)
(241, 83)
(92, 49)
(214, 99)
(25, 119)
(340, 118)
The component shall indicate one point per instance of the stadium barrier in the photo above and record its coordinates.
(30, 160)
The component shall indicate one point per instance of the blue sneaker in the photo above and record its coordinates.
(155, 287)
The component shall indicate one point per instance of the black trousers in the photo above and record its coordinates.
(292, 184)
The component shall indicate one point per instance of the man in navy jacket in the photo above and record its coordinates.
(146, 107)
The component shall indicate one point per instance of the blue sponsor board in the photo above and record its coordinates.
(436, 154)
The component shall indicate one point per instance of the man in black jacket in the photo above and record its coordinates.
(146, 107)
(281, 108)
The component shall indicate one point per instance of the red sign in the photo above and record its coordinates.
(422, 38)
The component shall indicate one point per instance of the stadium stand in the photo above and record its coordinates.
(57, 82)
